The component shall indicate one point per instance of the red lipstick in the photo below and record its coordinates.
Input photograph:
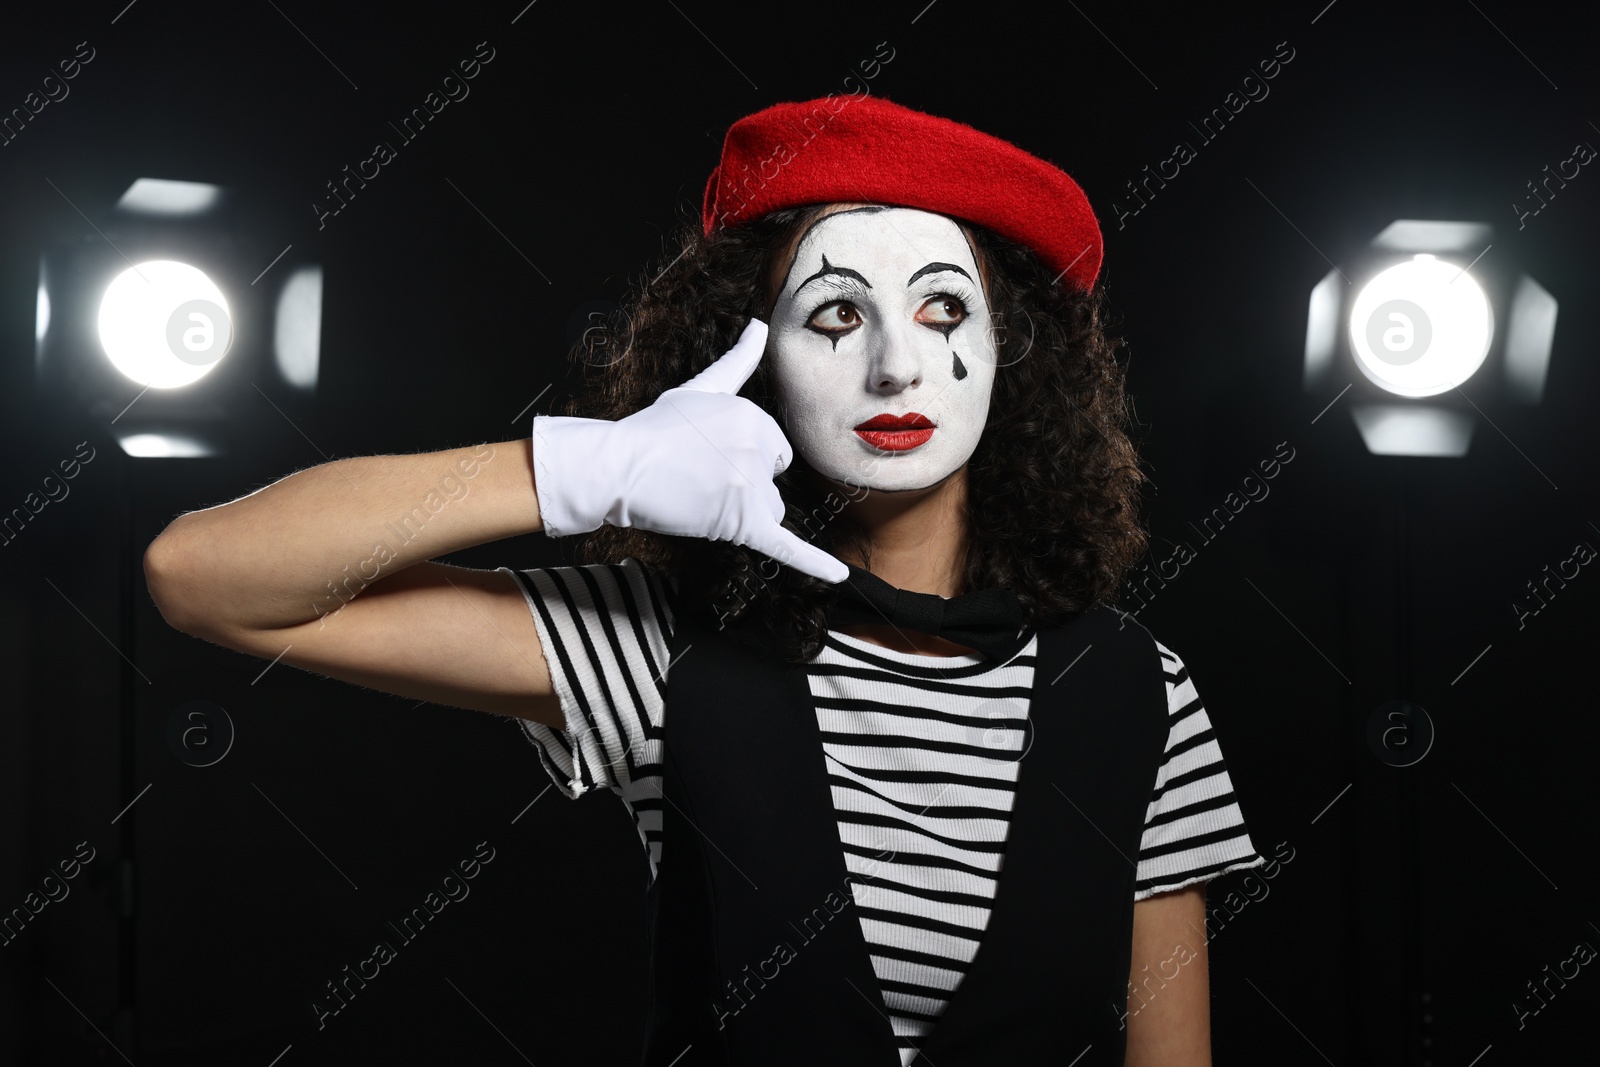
(896, 433)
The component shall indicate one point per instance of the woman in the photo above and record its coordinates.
(914, 787)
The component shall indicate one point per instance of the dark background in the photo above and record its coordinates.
(1418, 903)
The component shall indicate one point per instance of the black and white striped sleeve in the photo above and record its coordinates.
(603, 629)
(1193, 830)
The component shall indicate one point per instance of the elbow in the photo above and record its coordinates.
(169, 587)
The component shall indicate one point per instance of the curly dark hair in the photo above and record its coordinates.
(1052, 488)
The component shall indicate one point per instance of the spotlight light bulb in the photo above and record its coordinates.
(1421, 327)
(164, 324)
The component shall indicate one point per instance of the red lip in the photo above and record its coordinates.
(896, 433)
(911, 420)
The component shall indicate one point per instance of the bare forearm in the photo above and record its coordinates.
(1169, 985)
(298, 548)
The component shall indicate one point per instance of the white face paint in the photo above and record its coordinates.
(882, 313)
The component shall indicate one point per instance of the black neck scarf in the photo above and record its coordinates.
(989, 620)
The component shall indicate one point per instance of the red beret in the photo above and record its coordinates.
(865, 148)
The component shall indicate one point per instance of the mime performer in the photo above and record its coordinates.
(853, 494)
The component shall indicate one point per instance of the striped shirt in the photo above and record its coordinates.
(922, 755)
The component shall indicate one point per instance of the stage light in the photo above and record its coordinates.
(1421, 327)
(164, 324)
(180, 318)
(1430, 309)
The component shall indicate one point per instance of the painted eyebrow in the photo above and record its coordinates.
(935, 268)
(829, 268)
(866, 209)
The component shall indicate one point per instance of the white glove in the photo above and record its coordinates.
(699, 462)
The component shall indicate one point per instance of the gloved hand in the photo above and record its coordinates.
(699, 462)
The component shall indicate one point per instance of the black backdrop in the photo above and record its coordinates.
(1419, 901)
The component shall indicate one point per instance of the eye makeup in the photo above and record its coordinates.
(955, 296)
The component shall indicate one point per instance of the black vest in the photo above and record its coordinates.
(756, 952)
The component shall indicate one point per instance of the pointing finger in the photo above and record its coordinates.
(786, 547)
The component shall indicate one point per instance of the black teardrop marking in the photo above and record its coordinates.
(959, 369)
